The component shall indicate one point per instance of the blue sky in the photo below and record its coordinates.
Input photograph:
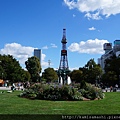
(29, 24)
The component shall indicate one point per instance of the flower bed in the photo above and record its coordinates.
(62, 92)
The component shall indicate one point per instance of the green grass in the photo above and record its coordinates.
(11, 104)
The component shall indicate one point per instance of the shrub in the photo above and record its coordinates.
(32, 96)
(92, 92)
(52, 92)
(62, 92)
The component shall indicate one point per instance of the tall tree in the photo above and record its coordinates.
(11, 69)
(34, 68)
(27, 76)
(93, 71)
(109, 78)
(113, 64)
(76, 76)
(50, 75)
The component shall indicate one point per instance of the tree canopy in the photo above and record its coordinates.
(49, 75)
(33, 66)
(10, 69)
(76, 76)
(112, 71)
(91, 71)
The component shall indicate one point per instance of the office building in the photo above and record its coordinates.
(109, 52)
(37, 53)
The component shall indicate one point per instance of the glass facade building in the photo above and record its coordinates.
(117, 42)
(37, 53)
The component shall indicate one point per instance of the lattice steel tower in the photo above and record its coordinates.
(63, 70)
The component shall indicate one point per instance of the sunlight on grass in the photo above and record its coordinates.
(12, 104)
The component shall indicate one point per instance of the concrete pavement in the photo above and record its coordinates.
(5, 88)
(9, 88)
(108, 90)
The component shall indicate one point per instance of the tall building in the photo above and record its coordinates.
(109, 52)
(37, 53)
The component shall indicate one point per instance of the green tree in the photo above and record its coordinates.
(85, 72)
(2, 73)
(50, 75)
(11, 69)
(27, 76)
(113, 64)
(34, 68)
(76, 76)
(92, 71)
(109, 78)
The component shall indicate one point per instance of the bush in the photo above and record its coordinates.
(52, 92)
(92, 92)
(62, 92)
(32, 96)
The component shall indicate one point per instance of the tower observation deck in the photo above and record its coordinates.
(63, 70)
(64, 61)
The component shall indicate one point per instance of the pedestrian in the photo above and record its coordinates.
(111, 88)
(6, 84)
(116, 86)
(13, 86)
(106, 89)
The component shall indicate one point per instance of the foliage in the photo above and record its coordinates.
(92, 92)
(91, 71)
(113, 65)
(62, 92)
(109, 78)
(34, 68)
(49, 75)
(82, 84)
(27, 76)
(52, 92)
(76, 76)
(10, 69)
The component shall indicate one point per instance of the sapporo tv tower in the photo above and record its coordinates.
(63, 71)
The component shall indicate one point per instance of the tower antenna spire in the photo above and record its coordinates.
(63, 67)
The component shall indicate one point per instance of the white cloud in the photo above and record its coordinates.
(21, 53)
(43, 63)
(95, 16)
(74, 15)
(53, 45)
(93, 9)
(90, 46)
(45, 47)
(71, 4)
(92, 28)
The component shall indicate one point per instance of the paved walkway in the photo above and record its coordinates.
(9, 88)
(5, 88)
(108, 90)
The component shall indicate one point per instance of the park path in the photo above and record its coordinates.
(5, 88)
(9, 88)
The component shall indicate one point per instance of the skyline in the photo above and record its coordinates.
(26, 25)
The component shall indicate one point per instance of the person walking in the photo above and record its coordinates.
(111, 88)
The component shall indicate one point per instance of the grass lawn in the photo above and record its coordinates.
(11, 104)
